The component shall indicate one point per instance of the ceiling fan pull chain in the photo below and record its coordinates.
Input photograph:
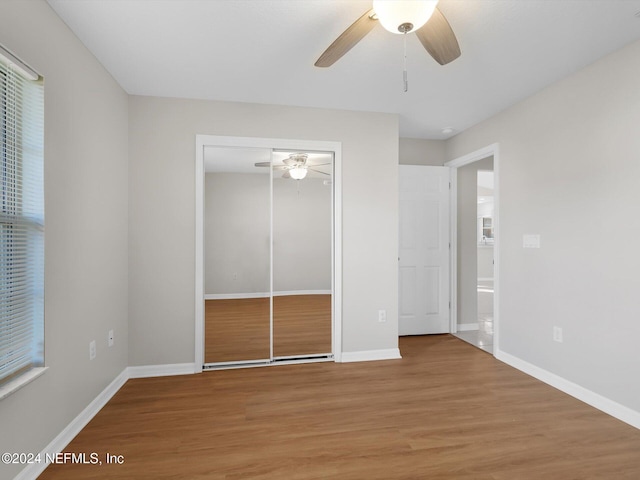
(404, 73)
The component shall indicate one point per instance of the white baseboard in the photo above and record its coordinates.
(77, 424)
(231, 296)
(371, 355)
(286, 293)
(234, 296)
(596, 400)
(466, 327)
(57, 445)
(148, 371)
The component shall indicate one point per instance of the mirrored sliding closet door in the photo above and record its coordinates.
(302, 254)
(237, 237)
(267, 255)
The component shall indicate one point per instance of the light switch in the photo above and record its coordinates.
(530, 241)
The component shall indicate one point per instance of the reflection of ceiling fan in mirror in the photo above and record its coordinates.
(296, 166)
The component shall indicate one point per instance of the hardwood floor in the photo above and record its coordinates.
(238, 329)
(446, 410)
(301, 325)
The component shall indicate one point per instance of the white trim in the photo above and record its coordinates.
(75, 426)
(278, 144)
(336, 267)
(467, 327)
(212, 367)
(199, 246)
(453, 251)
(488, 151)
(13, 61)
(231, 296)
(300, 361)
(20, 381)
(148, 371)
(271, 268)
(285, 293)
(484, 152)
(589, 397)
(371, 355)
(485, 279)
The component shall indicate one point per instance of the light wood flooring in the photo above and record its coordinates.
(238, 329)
(446, 410)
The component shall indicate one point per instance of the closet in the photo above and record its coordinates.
(268, 255)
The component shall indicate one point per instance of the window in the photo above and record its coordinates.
(21, 219)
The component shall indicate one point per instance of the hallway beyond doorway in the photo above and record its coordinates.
(483, 336)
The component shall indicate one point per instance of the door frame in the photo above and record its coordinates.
(203, 141)
(490, 150)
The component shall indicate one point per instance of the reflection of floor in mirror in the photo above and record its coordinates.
(483, 336)
(301, 325)
(238, 329)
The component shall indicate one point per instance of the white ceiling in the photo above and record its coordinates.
(263, 51)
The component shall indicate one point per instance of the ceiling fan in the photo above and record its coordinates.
(296, 166)
(400, 16)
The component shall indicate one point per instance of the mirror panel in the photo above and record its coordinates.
(237, 255)
(302, 220)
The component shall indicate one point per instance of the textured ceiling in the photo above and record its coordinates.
(263, 51)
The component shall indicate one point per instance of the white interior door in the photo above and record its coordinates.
(424, 250)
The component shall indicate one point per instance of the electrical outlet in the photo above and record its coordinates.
(382, 316)
(92, 349)
(110, 338)
(557, 334)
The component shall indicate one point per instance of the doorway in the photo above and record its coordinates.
(475, 244)
(475, 240)
(424, 250)
(267, 251)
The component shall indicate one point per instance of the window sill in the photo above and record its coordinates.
(21, 381)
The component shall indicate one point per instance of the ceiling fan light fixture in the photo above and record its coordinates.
(403, 16)
(298, 172)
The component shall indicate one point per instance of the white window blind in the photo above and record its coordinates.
(21, 220)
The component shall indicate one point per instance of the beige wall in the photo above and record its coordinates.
(569, 170)
(301, 235)
(236, 233)
(86, 229)
(161, 222)
(419, 151)
(238, 240)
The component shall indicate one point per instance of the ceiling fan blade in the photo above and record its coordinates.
(317, 164)
(438, 38)
(286, 174)
(318, 171)
(345, 42)
(268, 164)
